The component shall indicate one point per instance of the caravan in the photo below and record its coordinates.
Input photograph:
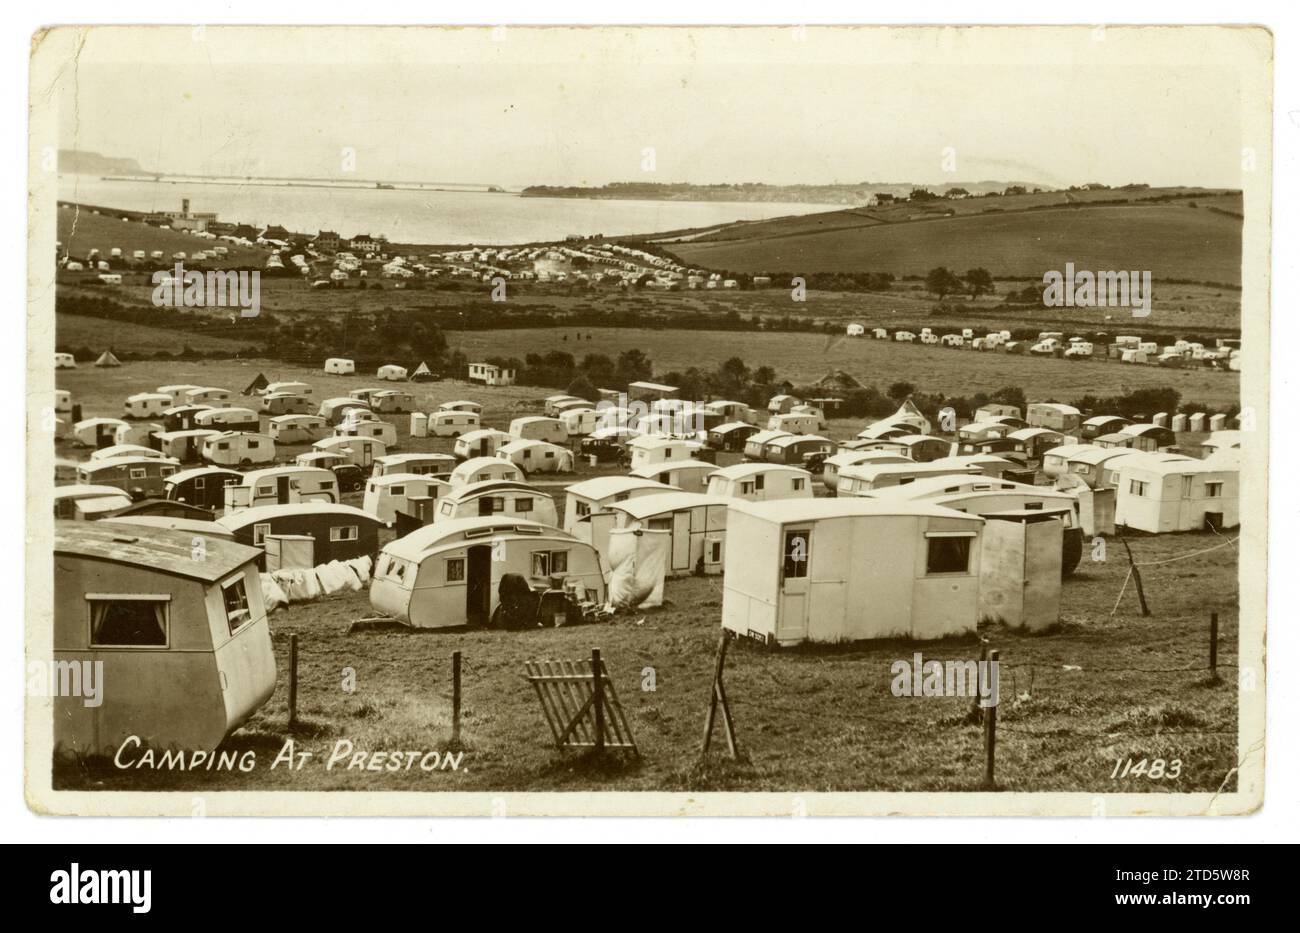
(286, 403)
(826, 570)
(184, 642)
(361, 451)
(508, 498)
(697, 525)
(863, 479)
(537, 456)
(204, 487)
(297, 429)
(339, 532)
(482, 469)
(145, 477)
(452, 423)
(422, 464)
(238, 449)
(688, 475)
(392, 493)
(535, 428)
(282, 485)
(484, 442)
(450, 573)
(758, 482)
(146, 405)
(228, 419)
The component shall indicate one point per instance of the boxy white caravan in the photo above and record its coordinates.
(421, 464)
(184, 446)
(88, 502)
(449, 573)
(758, 482)
(482, 469)
(391, 372)
(579, 422)
(650, 449)
(452, 423)
(1158, 496)
(280, 485)
(184, 642)
(391, 400)
(795, 423)
(228, 419)
(552, 403)
(392, 493)
(382, 431)
(146, 405)
(533, 456)
(297, 429)
(687, 475)
(507, 498)
(292, 388)
(485, 442)
(146, 474)
(97, 432)
(461, 405)
(833, 464)
(207, 395)
(826, 570)
(697, 524)
(536, 428)
(177, 391)
(863, 479)
(334, 410)
(286, 403)
(340, 367)
(361, 451)
(1055, 461)
(238, 449)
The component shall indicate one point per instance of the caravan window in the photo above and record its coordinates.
(758, 481)
(455, 569)
(947, 553)
(581, 508)
(1213, 490)
(661, 524)
(236, 599)
(343, 533)
(128, 621)
(1137, 488)
(392, 490)
(524, 505)
(546, 563)
(138, 473)
(797, 483)
(795, 556)
(260, 531)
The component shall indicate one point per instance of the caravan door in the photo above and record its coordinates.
(682, 540)
(478, 589)
(792, 615)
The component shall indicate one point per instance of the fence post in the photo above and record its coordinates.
(293, 680)
(598, 698)
(979, 676)
(455, 696)
(990, 734)
(1214, 646)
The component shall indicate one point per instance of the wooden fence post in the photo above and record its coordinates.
(598, 698)
(293, 681)
(455, 696)
(990, 734)
(1214, 646)
(718, 697)
(979, 676)
(1137, 574)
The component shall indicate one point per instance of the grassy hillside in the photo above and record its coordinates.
(1020, 236)
(82, 230)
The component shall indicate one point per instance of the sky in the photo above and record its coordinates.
(606, 108)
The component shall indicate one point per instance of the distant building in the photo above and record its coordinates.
(369, 244)
(327, 240)
(487, 373)
(184, 219)
(275, 232)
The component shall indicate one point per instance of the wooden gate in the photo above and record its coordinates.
(581, 708)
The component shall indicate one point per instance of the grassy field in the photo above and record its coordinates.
(807, 357)
(1172, 240)
(1100, 688)
(75, 330)
(821, 718)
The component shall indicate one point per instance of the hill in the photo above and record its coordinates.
(81, 230)
(1177, 234)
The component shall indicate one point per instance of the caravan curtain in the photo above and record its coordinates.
(138, 623)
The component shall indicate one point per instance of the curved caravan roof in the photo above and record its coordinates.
(602, 487)
(265, 513)
(490, 487)
(1029, 434)
(1066, 451)
(955, 483)
(730, 426)
(745, 470)
(185, 476)
(494, 467)
(766, 436)
(1092, 456)
(850, 457)
(656, 442)
(886, 429)
(525, 443)
(792, 439)
(126, 450)
(785, 511)
(425, 541)
(404, 479)
(481, 434)
(644, 507)
(1056, 406)
(460, 405)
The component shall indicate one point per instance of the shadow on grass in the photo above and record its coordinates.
(590, 764)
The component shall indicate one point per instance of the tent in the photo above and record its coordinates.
(257, 385)
(423, 373)
(108, 359)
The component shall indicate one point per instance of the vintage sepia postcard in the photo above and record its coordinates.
(647, 420)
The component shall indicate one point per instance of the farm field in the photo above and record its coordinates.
(806, 357)
(821, 718)
(78, 330)
(1172, 240)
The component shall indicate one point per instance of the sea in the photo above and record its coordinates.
(425, 214)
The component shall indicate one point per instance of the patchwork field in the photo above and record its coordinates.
(1101, 688)
(81, 230)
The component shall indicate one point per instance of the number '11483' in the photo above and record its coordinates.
(1154, 769)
